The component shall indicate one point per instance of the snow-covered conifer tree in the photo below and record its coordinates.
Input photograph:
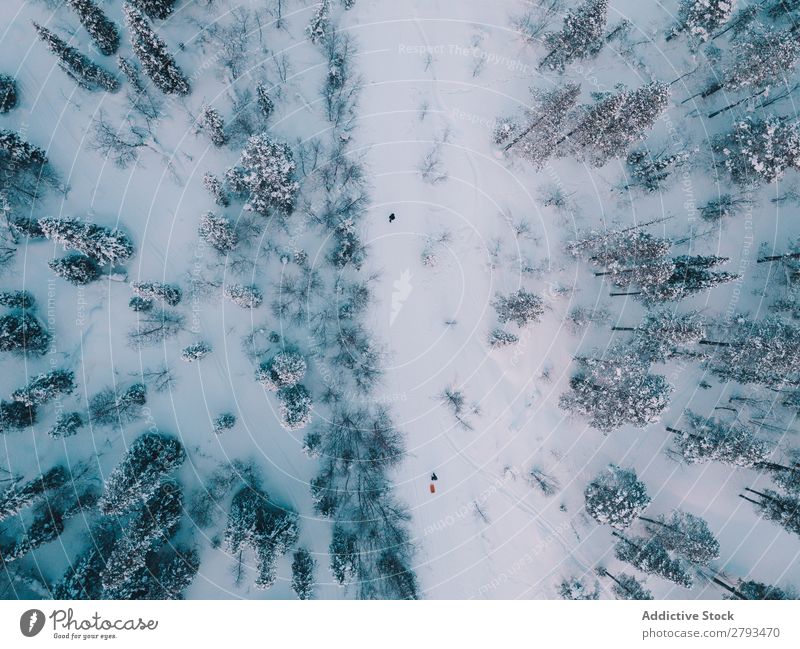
(8, 93)
(45, 387)
(320, 25)
(651, 557)
(155, 8)
(581, 37)
(210, 121)
(701, 18)
(67, 424)
(266, 176)
(245, 296)
(104, 33)
(284, 369)
(105, 246)
(138, 475)
(616, 497)
(218, 232)
(195, 352)
(167, 293)
(77, 65)
(214, 187)
(22, 333)
(76, 268)
(520, 307)
(686, 535)
(156, 59)
(303, 565)
(295, 406)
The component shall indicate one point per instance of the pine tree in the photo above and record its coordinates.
(138, 475)
(759, 150)
(77, 66)
(303, 566)
(174, 573)
(649, 170)
(22, 333)
(15, 415)
(689, 274)
(755, 590)
(160, 9)
(212, 123)
(47, 526)
(762, 58)
(167, 293)
(8, 93)
(295, 406)
(651, 557)
(265, 103)
(105, 246)
(214, 187)
(520, 307)
(16, 498)
(104, 33)
(140, 304)
(783, 509)
(320, 26)
(45, 387)
(686, 535)
(218, 232)
(348, 248)
(76, 268)
(763, 351)
(545, 123)
(110, 407)
(83, 578)
(344, 554)
(713, 440)
(575, 589)
(616, 497)
(499, 338)
(266, 175)
(582, 35)
(153, 54)
(664, 333)
(67, 424)
(615, 392)
(126, 575)
(17, 300)
(626, 586)
(701, 18)
(282, 370)
(247, 297)
(256, 523)
(195, 352)
(607, 128)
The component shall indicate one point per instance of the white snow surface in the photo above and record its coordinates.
(487, 532)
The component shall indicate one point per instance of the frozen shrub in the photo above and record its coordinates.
(224, 422)
(45, 387)
(195, 352)
(248, 297)
(295, 406)
(76, 268)
(521, 307)
(500, 338)
(67, 424)
(167, 293)
(218, 232)
(283, 370)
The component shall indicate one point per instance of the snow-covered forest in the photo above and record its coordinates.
(399, 300)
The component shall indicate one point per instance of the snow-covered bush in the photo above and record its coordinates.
(223, 422)
(195, 352)
(294, 406)
(285, 369)
(140, 304)
(520, 307)
(45, 387)
(17, 299)
(320, 24)
(499, 338)
(76, 268)
(167, 293)
(214, 187)
(212, 123)
(218, 232)
(248, 297)
(67, 424)
(701, 18)
(265, 103)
